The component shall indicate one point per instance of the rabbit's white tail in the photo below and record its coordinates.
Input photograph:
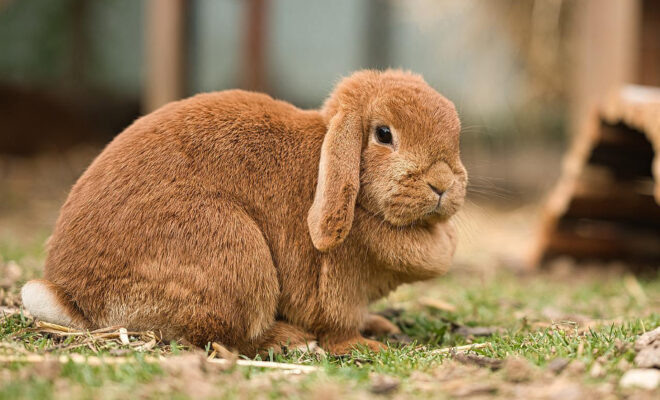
(47, 302)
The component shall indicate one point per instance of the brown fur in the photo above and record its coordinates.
(379, 326)
(236, 218)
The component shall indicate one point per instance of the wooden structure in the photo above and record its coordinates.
(606, 205)
(606, 54)
(165, 52)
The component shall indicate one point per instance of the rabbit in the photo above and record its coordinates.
(237, 218)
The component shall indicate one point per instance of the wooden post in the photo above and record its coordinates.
(606, 53)
(254, 68)
(165, 46)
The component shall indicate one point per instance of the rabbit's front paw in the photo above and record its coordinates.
(346, 346)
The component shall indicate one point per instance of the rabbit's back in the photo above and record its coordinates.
(160, 192)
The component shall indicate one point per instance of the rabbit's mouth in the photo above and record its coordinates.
(422, 212)
(423, 205)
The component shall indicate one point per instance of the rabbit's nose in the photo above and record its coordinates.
(436, 190)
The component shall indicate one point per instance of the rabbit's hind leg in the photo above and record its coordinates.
(281, 336)
(376, 325)
(229, 290)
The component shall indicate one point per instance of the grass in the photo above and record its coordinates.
(589, 318)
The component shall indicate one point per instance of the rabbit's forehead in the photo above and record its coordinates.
(422, 107)
(420, 121)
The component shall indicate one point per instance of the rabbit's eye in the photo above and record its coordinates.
(384, 135)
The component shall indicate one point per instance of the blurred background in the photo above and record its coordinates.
(522, 73)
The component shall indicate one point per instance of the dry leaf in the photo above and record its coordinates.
(437, 304)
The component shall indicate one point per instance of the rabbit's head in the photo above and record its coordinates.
(392, 148)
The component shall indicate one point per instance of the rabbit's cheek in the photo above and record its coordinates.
(452, 200)
(406, 207)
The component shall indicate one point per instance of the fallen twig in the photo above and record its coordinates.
(467, 347)
(266, 364)
(114, 332)
(96, 361)
(43, 325)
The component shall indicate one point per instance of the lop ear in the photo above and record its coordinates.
(331, 215)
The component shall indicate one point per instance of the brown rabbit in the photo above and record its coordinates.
(237, 218)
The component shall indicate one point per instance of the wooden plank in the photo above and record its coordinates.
(639, 209)
(594, 239)
(607, 34)
(165, 50)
